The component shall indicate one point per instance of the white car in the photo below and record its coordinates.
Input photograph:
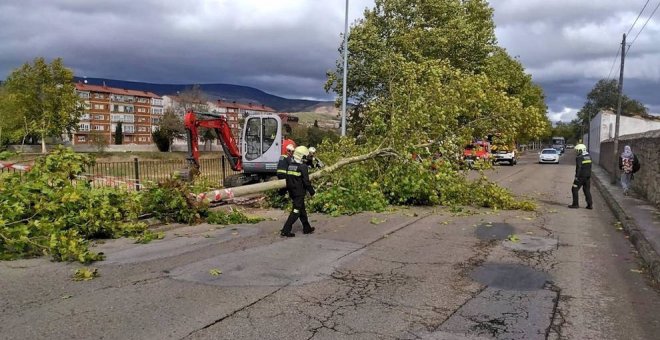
(549, 156)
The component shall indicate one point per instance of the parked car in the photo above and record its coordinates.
(503, 153)
(570, 146)
(479, 150)
(550, 155)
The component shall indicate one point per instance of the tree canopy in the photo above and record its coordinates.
(43, 97)
(431, 70)
(604, 96)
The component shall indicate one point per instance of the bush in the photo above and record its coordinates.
(161, 139)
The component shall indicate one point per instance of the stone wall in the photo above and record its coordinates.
(647, 148)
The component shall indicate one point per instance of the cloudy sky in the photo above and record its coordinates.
(285, 46)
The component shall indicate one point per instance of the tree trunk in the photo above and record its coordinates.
(43, 144)
(228, 193)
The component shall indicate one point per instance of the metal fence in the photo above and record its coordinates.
(137, 173)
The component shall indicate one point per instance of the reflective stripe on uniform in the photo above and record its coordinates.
(296, 211)
(294, 173)
(281, 171)
(586, 161)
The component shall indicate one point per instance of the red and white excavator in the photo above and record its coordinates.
(261, 145)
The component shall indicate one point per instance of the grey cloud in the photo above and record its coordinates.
(285, 48)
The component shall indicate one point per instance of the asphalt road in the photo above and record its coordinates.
(419, 273)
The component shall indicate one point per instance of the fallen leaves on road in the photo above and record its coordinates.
(215, 272)
(637, 271)
(513, 238)
(85, 274)
(376, 220)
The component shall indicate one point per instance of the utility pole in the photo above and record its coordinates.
(615, 151)
(343, 95)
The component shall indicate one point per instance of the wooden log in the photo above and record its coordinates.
(229, 193)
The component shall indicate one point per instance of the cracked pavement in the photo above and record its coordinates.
(424, 273)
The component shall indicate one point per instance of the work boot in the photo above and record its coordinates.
(309, 231)
(589, 207)
(573, 206)
(289, 234)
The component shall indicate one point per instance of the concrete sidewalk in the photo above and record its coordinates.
(640, 219)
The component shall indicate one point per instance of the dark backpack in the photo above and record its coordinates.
(636, 164)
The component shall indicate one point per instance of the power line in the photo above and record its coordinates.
(616, 57)
(642, 29)
(638, 15)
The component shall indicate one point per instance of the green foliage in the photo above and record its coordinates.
(348, 192)
(171, 201)
(50, 210)
(42, 100)
(312, 136)
(5, 155)
(604, 96)
(161, 140)
(232, 217)
(85, 274)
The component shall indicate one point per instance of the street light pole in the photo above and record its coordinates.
(343, 95)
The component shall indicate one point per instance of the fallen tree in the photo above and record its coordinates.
(229, 193)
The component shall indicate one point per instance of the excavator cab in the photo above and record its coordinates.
(261, 144)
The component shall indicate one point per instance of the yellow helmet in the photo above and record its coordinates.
(580, 148)
(300, 153)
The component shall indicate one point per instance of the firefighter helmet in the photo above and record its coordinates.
(300, 153)
(580, 149)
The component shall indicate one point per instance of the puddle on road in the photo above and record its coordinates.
(494, 231)
(510, 277)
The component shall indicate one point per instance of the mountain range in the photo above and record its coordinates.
(239, 93)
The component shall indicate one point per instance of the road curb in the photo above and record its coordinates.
(636, 237)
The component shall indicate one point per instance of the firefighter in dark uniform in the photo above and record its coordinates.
(298, 185)
(582, 176)
(284, 162)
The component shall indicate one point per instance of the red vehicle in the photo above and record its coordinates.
(475, 151)
(261, 145)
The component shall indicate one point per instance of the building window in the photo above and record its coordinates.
(157, 102)
(142, 129)
(155, 121)
(122, 118)
(84, 116)
(99, 107)
(98, 95)
(84, 95)
(83, 127)
(99, 128)
(99, 117)
(143, 139)
(157, 110)
(82, 139)
(141, 109)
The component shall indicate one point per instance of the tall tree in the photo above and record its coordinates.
(604, 96)
(430, 70)
(44, 96)
(170, 127)
(192, 98)
(119, 134)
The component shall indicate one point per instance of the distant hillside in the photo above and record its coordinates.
(230, 92)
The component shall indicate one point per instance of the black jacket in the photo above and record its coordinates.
(297, 180)
(282, 166)
(583, 166)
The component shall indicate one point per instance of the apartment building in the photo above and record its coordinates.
(235, 111)
(138, 111)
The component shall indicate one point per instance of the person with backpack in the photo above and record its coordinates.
(629, 164)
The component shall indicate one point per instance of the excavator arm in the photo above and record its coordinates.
(221, 127)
